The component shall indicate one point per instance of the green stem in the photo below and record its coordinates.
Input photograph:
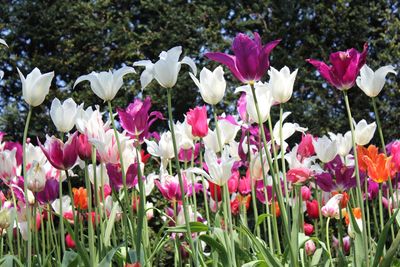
(328, 242)
(28, 213)
(178, 169)
(90, 223)
(142, 201)
(282, 150)
(358, 188)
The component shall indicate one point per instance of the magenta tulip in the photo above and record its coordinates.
(61, 156)
(136, 120)
(345, 67)
(251, 59)
(197, 118)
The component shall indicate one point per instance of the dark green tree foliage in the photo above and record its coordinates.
(76, 37)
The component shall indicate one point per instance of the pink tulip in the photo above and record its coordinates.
(69, 241)
(251, 59)
(305, 193)
(308, 229)
(61, 156)
(306, 147)
(84, 147)
(298, 175)
(197, 118)
(310, 247)
(345, 67)
(331, 208)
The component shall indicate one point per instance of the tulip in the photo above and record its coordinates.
(170, 189)
(14, 145)
(325, 148)
(107, 146)
(5, 218)
(229, 127)
(312, 209)
(281, 83)
(62, 156)
(310, 247)
(363, 132)
(136, 120)
(345, 67)
(63, 116)
(288, 129)
(115, 176)
(8, 164)
(380, 168)
(166, 69)
(49, 193)
(372, 82)
(331, 208)
(163, 149)
(84, 147)
(298, 175)
(220, 171)
(305, 193)
(256, 166)
(197, 119)
(106, 84)
(35, 86)
(36, 177)
(308, 229)
(264, 98)
(69, 241)
(344, 143)
(99, 173)
(212, 85)
(80, 198)
(306, 147)
(251, 59)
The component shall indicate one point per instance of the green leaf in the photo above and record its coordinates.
(262, 218)
(71, 258)
(8, 261)
(110, 225)
(316, 257)
(106, 262)
(81, 250)
(214, 244)
(382, 240)
(256, 263)
(195, 227)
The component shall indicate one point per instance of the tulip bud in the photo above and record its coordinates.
(308, 229)
(306, 148)
(5, 218)
(305, 193)
(69, 241)
(35, 86)
(281, 83)
(36, 176)
(63, 115)
(212, 85)
(310, 247)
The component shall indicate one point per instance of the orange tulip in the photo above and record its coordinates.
(356, 212)
(371, 152)
(80, 198)
(379, 169)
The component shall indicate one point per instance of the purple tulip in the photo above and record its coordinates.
(345, 67)
(338, 178)
(49, 193)
(136, 120)
(251, 59)
(61, 156)
(115, 175)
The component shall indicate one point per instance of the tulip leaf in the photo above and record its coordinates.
(9, 260)
(110, 225)
(390, 254)
(262, 218)
(82, 251)
(214, 244)
(382, 240)
(106, 262)
(195, 227)
(316, 257)
(256, 263)
(70, 259)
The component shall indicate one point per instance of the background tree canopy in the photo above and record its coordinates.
(76, 37)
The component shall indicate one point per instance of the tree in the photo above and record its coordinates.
(76, 37)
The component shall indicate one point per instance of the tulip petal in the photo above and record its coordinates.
(227, 60)
(3, 42)
(190, 62)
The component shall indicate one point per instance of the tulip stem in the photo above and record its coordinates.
(142, 201)
(28, 210)
(276, 184)
(90, 222)
(378, 122)
(356, 165)
(282, 150)
(328, 242)
(178, 169)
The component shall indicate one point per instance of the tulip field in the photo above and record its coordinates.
(237, 188)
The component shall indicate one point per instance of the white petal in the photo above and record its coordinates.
(190, 62)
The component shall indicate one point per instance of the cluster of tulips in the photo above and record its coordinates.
(232, 191)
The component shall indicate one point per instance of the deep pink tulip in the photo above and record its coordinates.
(84, 147)
(115, 175)
(136, 120)
(187, 154)
(305, 193)
(298, 175)
(308, 229)
(197, 118)
(251, 59)
(345, 67)
(306, 147)
(61, 156)
(170, 189)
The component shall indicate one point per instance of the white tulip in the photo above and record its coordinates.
(372, 82)
(325, 148)
(166, 69)
(63, 115)
(211, 141)
(101, 175)
(212, 85)
(363, 132)
(91, 123)
(288, 129)
(164, 149)
(344, 143)
(228, 128)
(281, 83)
(106, 84)
(36, 177)
(35, 86)
(264, 99)
(8, 164)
